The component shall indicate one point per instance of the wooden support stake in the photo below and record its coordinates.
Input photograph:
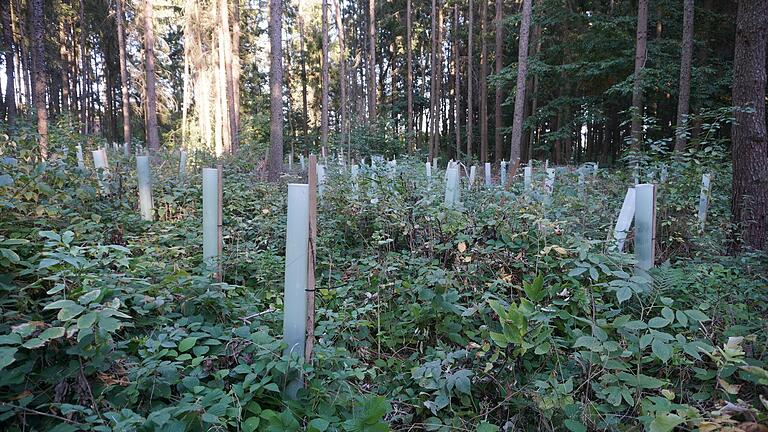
(311, 260)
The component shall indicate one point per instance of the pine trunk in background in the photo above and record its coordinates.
(10, 75)
(325, 78)
(483, 83)
(438, 113)
(305, 106)
(457, 80)
(409, 59)
(63, 68)
(126, 96)
(686, 58)
(38, 59)
(230, 83)
(470, 83)
(498, 53)
(433, 82)
(236, 63)
(276, 90)
(522, 71)
(153, 138)
(342, 74)
(372, 61)
(748, 134)
(84, 68)
(641, 54)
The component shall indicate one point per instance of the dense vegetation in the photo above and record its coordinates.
(501, 314)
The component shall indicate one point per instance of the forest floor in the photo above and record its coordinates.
(502, 313)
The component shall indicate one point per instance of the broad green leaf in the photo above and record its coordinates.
(52, 333)
(665, 422)
(662, 350)
(487, 427)
(187, 343)
(318, 425)
(575, 426)
(87, 320)
(250, 424)
(658, 322)
(623, 294)
(6, 356)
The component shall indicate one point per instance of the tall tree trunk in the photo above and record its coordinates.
(326, 78)
(457, 80)
(124, 90)
(63, 66)
(305, 107)
(276, 90)
(342, 74)
(748, 135)
(686, 58)
(236, 63)
(227, 54)
(438, 113)
(153, 137)
(470, 83)
(38, 59)
(10, 90)
(522, 71)
(640, 57)
(84, 68)
(483, 83)
(409, 81)
(433, 82)
(499, 52)
(221, 94)
(372, 61)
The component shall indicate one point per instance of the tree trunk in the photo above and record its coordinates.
(640, 58)
(685, 76)
(10, 90)
(372, 61)
(748, 134)
(522, 71)
(230, 83)
(126, 96)
(326, 79)
(276, 90)
(409, 95)
(499, 147)
(433, 82)
(38, 60)
(470, 83)
(63, 65)
(236, 63)
(342, 73)
(153, 138)
(84, 68)
(457, 80)
(305, 107)
(483, 83)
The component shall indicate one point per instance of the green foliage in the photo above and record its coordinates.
(501, 313)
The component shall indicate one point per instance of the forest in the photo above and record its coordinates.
(392, 215)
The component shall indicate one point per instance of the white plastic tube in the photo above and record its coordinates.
(144, 176)
(101, 164)
(451, 186)
(527, 177)
(549, 183)
(503, 172)
(624, 221)
(472, 175)
(296, 261)
(210, 218)
(645, 225)
(80, 158)
(706, 184)
(320, 180)
(488, 182)
(183, 156)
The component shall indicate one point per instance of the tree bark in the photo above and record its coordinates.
(483, 83)
(10, 90)
(276, 90)
(409, 59)
(499, 52)
(231, 107)
(126, 96)
(84, 68)
(470, 83)
(342, 73)
(748, 135)
(686, 58)
(153, 137)
(236, 63)
(38, 60)
(522, 71)
(325, 77)
(457, 80)
(433, 82)
(305, 107)
(372, 61)
(641, 55)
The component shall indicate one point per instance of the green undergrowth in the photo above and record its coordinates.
(504, 313)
